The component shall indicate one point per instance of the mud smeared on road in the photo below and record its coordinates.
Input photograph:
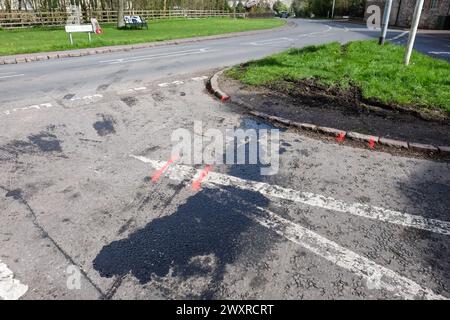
(307, 101)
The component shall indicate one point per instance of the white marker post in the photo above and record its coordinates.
(387, 14)
(412, 33)
(332, 9)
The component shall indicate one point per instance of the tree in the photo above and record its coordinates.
(304, 8)
(280, 6)
(120, 9)
(301, 8)
(240, 8)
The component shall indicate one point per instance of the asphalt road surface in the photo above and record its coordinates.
(81, 138)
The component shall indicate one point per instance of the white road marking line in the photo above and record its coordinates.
(10, 288)
(399, 36)
(140, 88)
(329, 28)
(159, 55)
(163, 85)
(90, 97)
(375, 274)
(12, 76)
(439, 52)
(37, 107)
(270, 41)
(199, 78)
(316, 200)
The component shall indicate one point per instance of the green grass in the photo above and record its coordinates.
(377, 70)
(54, 39)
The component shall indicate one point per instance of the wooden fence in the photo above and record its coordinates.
(58, 18)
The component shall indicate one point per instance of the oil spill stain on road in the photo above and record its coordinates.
(209, 223)
(105, 126)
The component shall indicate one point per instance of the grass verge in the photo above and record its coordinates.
(55, 39)
(377, 71)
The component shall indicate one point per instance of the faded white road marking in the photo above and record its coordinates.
(399, 36)
(10, 288)
(140, 88)
(12, 76)
(166, 84)
(37, 107)
(439, 52)
(158, 55)
(270, 41)
(382, 277)
(200, 78)
(90, 97)
(315, 200)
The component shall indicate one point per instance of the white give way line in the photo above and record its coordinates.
(317, 200)
(377, 276)
(399, 35)
(11, 75)
(275, 41)
(10, 288)
(439, 52)
(271, 41)
(159, 55)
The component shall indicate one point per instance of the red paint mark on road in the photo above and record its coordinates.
(372, 143)
(158, 173)
(340, 137)
(197, 183)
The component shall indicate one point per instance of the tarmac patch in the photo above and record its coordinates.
(105, 127)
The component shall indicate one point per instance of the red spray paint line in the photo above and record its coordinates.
(372, 143)
(196, 184)
(158, 173)
(340, 137)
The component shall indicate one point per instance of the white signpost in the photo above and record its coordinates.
(79, 28)
(94, 27)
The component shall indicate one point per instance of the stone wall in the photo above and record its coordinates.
(402, 12)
